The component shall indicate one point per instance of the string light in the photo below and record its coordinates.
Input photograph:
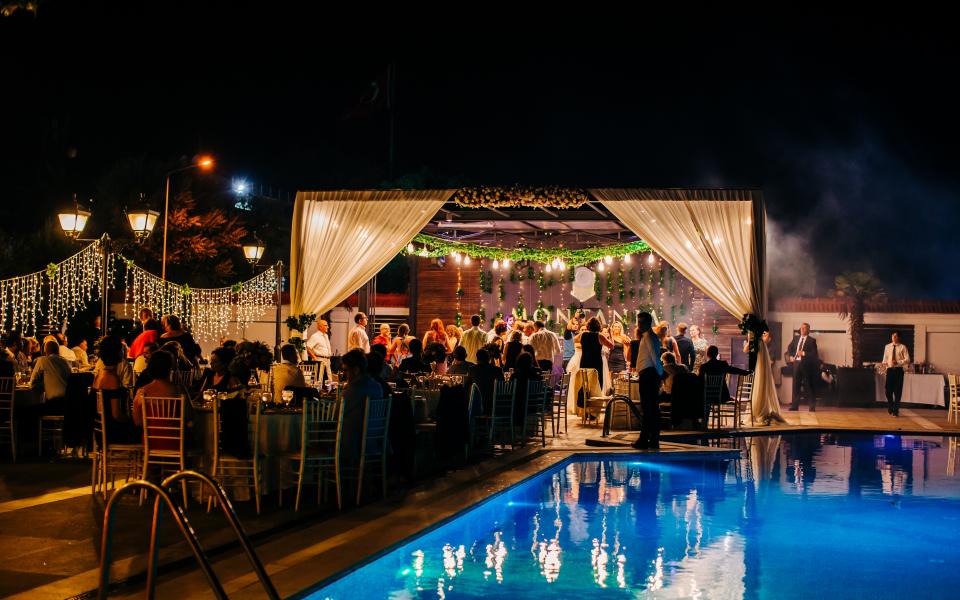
(496, 264)
(626, 259)
(650, 258)
(600, 266)
(466, 259)
(506, 263)
(608, 260)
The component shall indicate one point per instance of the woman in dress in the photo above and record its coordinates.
(700, 346)
(591, 343)
(667, 342)
(512, 350)
(454, 334)
(400, 346)
(435, 334)
(618, 360)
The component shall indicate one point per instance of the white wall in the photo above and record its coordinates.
(936, 336)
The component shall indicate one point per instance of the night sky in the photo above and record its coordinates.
(848, 125)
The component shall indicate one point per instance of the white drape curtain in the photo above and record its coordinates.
(341, 239)
(715, 239)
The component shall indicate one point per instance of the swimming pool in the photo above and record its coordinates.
(809, 515)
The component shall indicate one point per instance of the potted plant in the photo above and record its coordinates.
(855, 289)
(298, 325)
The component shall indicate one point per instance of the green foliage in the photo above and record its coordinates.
(436, 247)
(501, 291)
(300, 323)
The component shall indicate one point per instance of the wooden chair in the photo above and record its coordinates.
(712, 396)
(537, 394)
(109, 460)
(8, 428)
(50, 429)
(184, 378)
(164, 442)
(953, 407)
(501, 417)
(742, 400)
(320, 435)
(237, 471)
(311, 371)
(373, 449)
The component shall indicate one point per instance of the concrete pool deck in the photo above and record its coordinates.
(321, 543)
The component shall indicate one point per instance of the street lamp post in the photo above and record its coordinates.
(205, 163)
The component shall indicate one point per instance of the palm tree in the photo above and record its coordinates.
(856, 288)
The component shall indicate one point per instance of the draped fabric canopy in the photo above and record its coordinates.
(715, 238)
(341, 239)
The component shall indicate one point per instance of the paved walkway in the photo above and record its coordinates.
(51, 524)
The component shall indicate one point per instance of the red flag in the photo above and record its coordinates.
(377, 98)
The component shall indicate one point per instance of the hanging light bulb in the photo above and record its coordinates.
(410, 248)
(466, 259)
(626, 259)
(454, 254)
(650, 258)
(457, 257)
(506, 263)
(600, 266)
(608, 260)
(563, 266)
(496, 264)
(549, 268)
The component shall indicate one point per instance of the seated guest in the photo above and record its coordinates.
(715, 366)
(375, 367)
(360, 386)
(140, 365)
(124, 370)
(181, 361)
(512, 350)
(435, 355)
(484, 375)
(460, 365)
(218, 376)
(8, 362)
(287, 372)
(670, 368)
(414, 364)
(51, 373)
(13, 350)
(117, 422)
(229, 344)
(526, 370)
(383, 371)
(149, 335)
(65, 351)
(160, 368)
(33, 349)
(80, 350)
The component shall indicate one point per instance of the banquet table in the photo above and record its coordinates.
(918, 388)
(279, 433)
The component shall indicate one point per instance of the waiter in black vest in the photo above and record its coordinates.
(802, 354)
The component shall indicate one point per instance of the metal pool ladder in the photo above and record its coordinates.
(180, 517)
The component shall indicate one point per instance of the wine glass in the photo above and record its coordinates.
(287, 396)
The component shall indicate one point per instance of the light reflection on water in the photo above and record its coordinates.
(794, 514)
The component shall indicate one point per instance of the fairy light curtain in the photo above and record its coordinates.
(715, 238)
(207, 312)
(57, 293)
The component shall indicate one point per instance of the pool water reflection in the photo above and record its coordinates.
(812, 515)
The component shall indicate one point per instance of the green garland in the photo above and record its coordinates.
(501, 292)
(597, 289)
(672, 276)
(541, 283)
(621, 293)
(435, 247)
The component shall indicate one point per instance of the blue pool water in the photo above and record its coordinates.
(799, 516)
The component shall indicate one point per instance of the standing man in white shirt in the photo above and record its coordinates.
(318, 349)
(895, 358)
(358, 335)
(473, 339)
(547, 346)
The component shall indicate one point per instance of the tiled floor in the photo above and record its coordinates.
(54, 529)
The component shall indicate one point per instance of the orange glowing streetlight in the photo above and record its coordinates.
(204, 162)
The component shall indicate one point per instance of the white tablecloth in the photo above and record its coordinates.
(917, 389)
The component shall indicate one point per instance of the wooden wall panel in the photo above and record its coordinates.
(437, 293)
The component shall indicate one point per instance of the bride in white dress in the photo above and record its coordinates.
(573, 365)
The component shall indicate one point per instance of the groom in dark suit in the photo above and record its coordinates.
(802, 354)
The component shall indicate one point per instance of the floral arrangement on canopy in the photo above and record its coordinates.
(519, 195)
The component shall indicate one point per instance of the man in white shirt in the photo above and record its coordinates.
(492, 334)
(895, 358)
(473, 339)
(547, 346)
(358, 336)
(80, 350)
(528, 331)
(318, 349)
(51, 373)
